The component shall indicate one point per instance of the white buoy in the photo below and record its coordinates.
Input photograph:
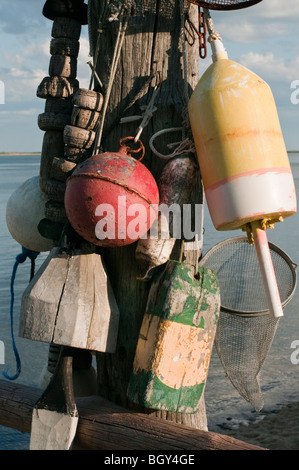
(25, 208)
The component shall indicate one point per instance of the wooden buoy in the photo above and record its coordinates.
(57, 87)
(53, 146)
(85, 118)
(77, 137)
(59, 105)
(70, 302)
(176, 339)
(74, 9)
(65, 46)
(76, 154)
(88, 99)
(63, 66)
(55, 416)
(61, 169)
(66, 28)
(175, 187)
(24, 210)
(55, 190)
(53, 121)
(55, 211)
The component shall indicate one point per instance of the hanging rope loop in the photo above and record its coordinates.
(185, 146)
(21, 258)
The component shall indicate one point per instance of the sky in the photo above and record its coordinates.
(264, 38)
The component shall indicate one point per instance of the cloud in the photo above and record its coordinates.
(21, 84)
(289, 10)
(270, 66)
(269, 19)
(20, 112)
(18, 17)
(245, 32)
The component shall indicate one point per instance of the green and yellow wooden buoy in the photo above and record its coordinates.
(176, 339)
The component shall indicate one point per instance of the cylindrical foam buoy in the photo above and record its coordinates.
(242, 156)
(25, 208)
(111, 199)
(241, 151)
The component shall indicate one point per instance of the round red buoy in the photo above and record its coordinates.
(111, 199)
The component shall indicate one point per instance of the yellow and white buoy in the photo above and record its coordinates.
(242, 155)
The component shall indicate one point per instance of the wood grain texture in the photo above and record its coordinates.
(53, 146)
(105, 426)
(70, 302)
(176, 339)
(66, 28)
(152, 46)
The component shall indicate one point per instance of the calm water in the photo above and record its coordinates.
(225, 408)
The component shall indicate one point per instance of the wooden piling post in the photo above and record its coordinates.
(152, 47)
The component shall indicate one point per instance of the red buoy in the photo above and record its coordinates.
(112, 199)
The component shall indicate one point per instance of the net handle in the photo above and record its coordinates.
(267, 269)
(275, 249)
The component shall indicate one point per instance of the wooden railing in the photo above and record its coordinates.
(106, 426)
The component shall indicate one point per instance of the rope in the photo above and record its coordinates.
(213, 35)
(111, 12)
(123, 23)
(21, 258)
(185, 146)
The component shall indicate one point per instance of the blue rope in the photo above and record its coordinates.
(21, 258)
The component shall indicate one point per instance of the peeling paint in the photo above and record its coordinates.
(176, 339)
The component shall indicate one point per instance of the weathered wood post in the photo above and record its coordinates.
(152, 47)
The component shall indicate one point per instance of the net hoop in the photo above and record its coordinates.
(224, 4)
(208, 261)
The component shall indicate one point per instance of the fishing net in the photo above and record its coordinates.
(224, 4)
(245, 328)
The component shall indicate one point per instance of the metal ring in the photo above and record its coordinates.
(131, 151)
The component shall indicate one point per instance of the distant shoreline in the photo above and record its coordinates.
(7, 154)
